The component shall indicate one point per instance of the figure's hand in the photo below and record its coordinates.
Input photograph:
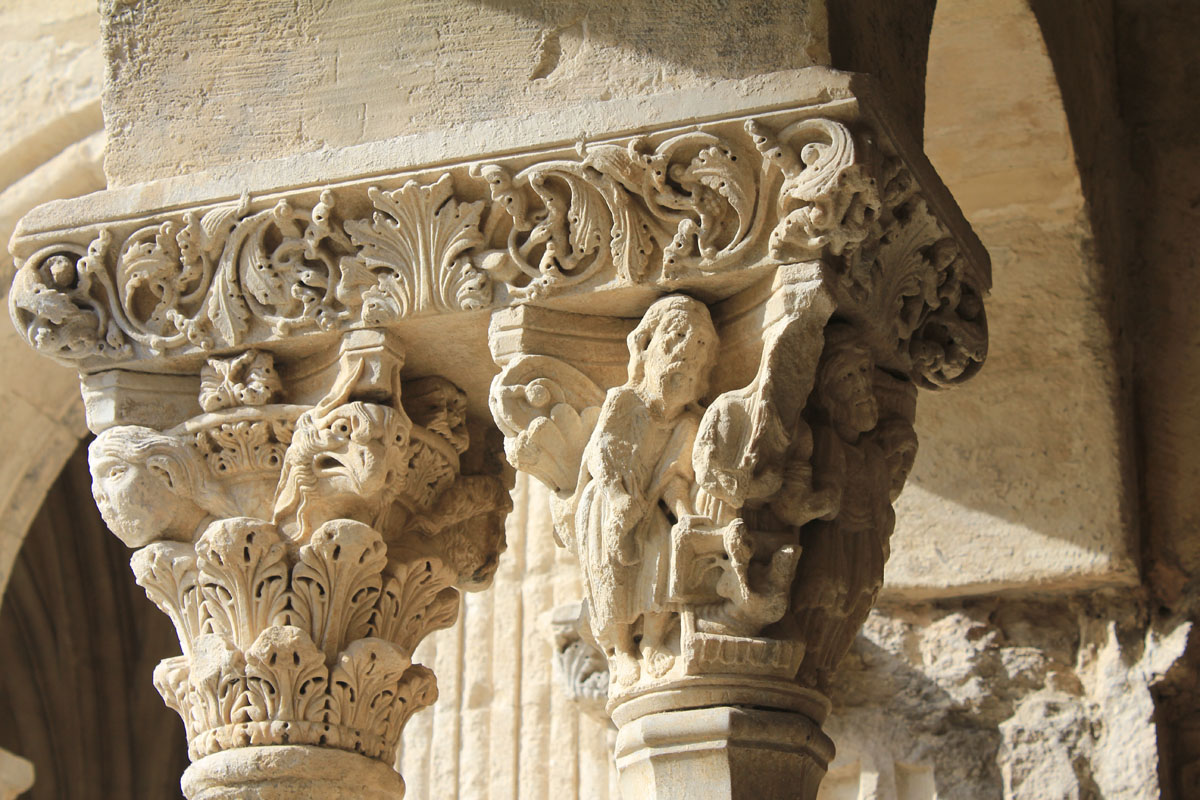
(725, 484)
(620, 529)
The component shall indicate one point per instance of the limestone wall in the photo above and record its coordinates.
(1023, 480)
(195, 85)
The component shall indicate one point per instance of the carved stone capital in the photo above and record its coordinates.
(801, 166)
(302, 552)
(724, 474)
(709, 328)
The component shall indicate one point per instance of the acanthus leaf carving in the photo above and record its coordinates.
(248, 379)
(412, 254)
(300, 629)
(336, 582)
(286, 677)
(417, 599)
(546, 410)
(168, 572)
(171, 680)
(216, 693)
(829, 199)
(667, 210)
(366, 684)
(243, 578)
(582, 667)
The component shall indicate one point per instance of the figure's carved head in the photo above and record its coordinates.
(845, 382)
(146, 484)
(440, 406)
(671, 353)
(346, 462)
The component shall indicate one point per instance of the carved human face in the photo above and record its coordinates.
(850, 396)
(676, 362)
(136, 501)
(440, 406)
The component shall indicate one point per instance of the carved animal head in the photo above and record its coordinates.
(345, 462)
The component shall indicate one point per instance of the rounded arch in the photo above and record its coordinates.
(1021, 484)
(54, 145)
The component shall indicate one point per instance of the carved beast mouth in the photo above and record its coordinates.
(357, 465)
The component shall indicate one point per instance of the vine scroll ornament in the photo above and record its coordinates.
(665, 211)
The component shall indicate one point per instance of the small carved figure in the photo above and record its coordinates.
(147, 483)
(636, 480)
(755, 592)
(440, 406)
(841, 568)
(248, 379)
(51, 303)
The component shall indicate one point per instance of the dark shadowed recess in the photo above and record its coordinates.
(78, 644)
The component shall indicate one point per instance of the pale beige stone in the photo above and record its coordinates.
(283, 772)
(1050, 506)
(16, 775)
(260, 532)
(717, 753)
(261, 525)
(342, 74)
(50, 147)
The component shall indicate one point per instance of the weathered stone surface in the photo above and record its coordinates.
(50, 144)
(1050, 505)
(282, 772)
(1000, 698)
(338, 74)
(718, 753)
(51, 137)
(78, 642)
(302, 552)
(1025, 479)
(16, 775)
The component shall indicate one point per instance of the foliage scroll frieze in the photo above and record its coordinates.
(666, 209)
